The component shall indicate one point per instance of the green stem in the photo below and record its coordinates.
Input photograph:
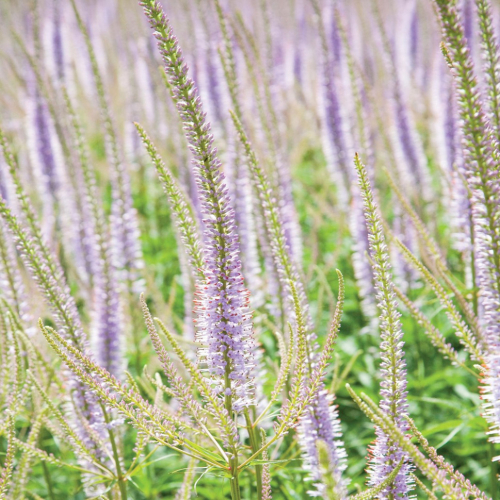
(493, 473)
(136, 331)
(254, 443)
(233, 462)
(475, 304)
(46, 474)
(122, 484)
(235, 483)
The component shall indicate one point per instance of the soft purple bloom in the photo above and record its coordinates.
(95, 244)
(410, 141)
(407, 136)
(244, 212)
(125, 235)
(107, 321)
(337, 148)
(298, 49)
(335, 40)
(452, 133)
(224, 323)
(414, 34)
(385, 453)
(57, 44)
(43, 149)
(213, 94)
(321, 421)
(481, 168)
(468, 23)
(405, 275)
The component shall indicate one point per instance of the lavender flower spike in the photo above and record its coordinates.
(482, 168)
(106, 322)
(321, 421)
(386, 454)
(224, 324)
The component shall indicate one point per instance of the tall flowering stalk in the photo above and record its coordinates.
(491, 65)
(125, 233)
(57, 54)
(191, 256)
(482, 167)
(224, 323)
(413, 154)
(335, 136)
(43, 161)
(362, 268)
(46, 162)
(107, 322)
(434, 467)
(270, 130)
(320, 420)
(269, 123)
(238, 176)
(386, 454)
(84, 412)
(180, 208)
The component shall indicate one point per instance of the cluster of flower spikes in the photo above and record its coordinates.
(320, 418)
(82, 409)
(224, 323)
(481, 168)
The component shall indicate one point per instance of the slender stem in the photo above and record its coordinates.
(493, 473)
(136, 330)
(473, 267)
(263, 414)
(235, 483)
(228, 403)
(133, 466)
(265, 447)
(122, 484)
(46, 474)
(254, 443)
